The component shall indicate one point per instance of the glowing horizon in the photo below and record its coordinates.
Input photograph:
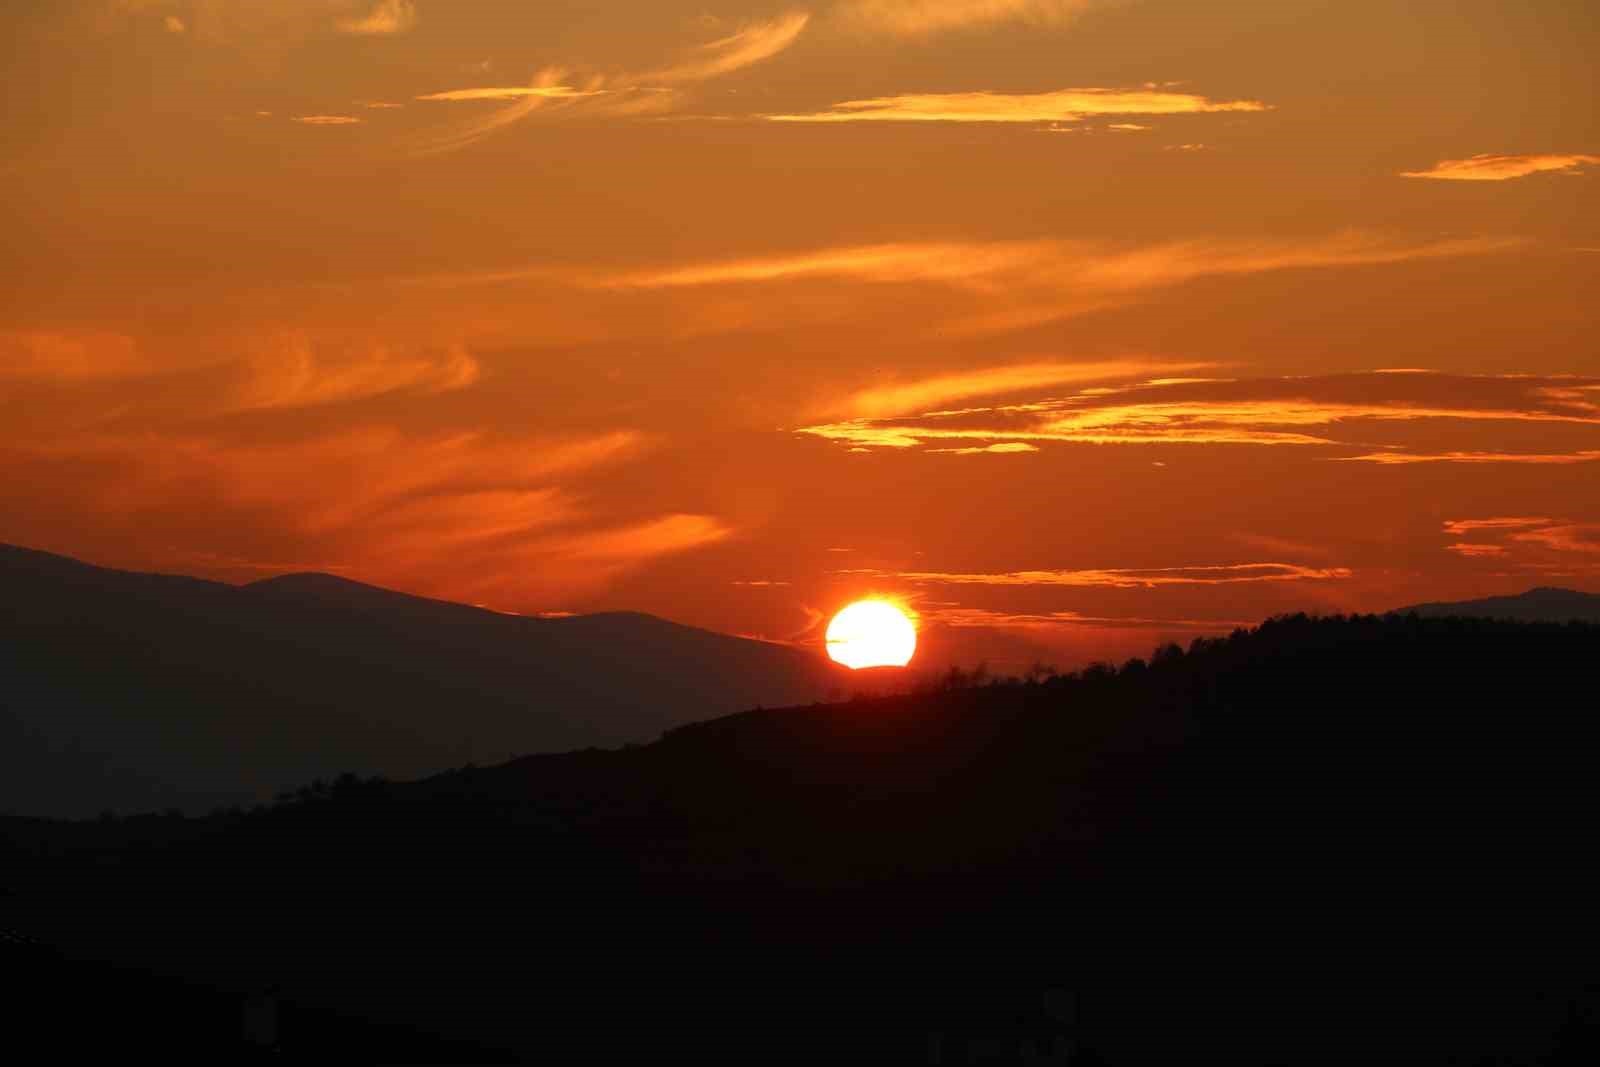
(1079, 325)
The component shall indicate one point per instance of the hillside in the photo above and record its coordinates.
(1544, 604)
(1319, 842)
(132, 692)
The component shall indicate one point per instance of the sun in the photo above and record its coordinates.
(871, 633)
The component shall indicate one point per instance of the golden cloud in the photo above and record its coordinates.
(615, 95)
(746, 47)
(294, 373)
(1000, 448)
(1476, 551)
(922, 394)
(1265, 411)
(1026, 283)
(1497, 168)
(1502, 522)
(1538, 458)
(963, 617)
(1062, 105)
(1126, 578)
(1564, 537)
(922, 18)
(387, 17)
(549, 92)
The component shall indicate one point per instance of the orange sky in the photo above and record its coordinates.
(1074, 323)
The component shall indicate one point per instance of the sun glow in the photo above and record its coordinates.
(871, 633)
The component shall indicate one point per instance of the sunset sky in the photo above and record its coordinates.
(1074, 324)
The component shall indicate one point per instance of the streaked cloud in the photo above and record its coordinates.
(327, 120)
(1499, 168)
(549, 92)
(71, 356)
(655, 537)
(1125, 578)
(1476, 550)
(962, 617)
(386, 17)
(1000, 448)
(1021, 284)
(1527, 543)
(1502, 522)
(924, 18)
(560, 90)
(296, 372)
(747, 46)
(1325, 411)
(1562, 537)
(1062, 105)
(923, 394)
(1536, 458)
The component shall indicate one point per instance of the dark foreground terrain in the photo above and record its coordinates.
(1319, 842)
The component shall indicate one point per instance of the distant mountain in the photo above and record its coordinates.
(129, 691)
(1536, 605)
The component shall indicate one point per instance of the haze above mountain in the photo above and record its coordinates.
(134, 691)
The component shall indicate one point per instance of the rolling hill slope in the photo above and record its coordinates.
(136, 691)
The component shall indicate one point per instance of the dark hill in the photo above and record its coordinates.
(1544, 604)
(1320, 842)
(132, 691)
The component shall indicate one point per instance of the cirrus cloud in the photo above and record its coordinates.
(1499, 168)
(1061, 105)
(924, 18)
(1328, 411)
(387, 17)
(1124, 577)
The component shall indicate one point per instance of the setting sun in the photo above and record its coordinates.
(871, 633)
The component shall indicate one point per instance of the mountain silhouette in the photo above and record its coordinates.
(130, 691)
(1544, 604)
(1320, 841)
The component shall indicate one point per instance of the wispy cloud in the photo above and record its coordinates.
(294, 371)
(1062, 105)
(1261, 411)
(925, 393)
(1499, 168)
(1563, 537)
(1499, 522)
(1525, 539)
(1124, 577)
(999, 448)
(1537, 458)
(749, 45)
(1020, 284)
(560, 90)
(327, 120)
(385, 18)
(513, 92)
(655, 537)
(1476, 550)
(71, 356)
(923, 18)
(967, 617)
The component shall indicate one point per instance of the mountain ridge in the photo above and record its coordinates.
(205, 693)
(1544, 603)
